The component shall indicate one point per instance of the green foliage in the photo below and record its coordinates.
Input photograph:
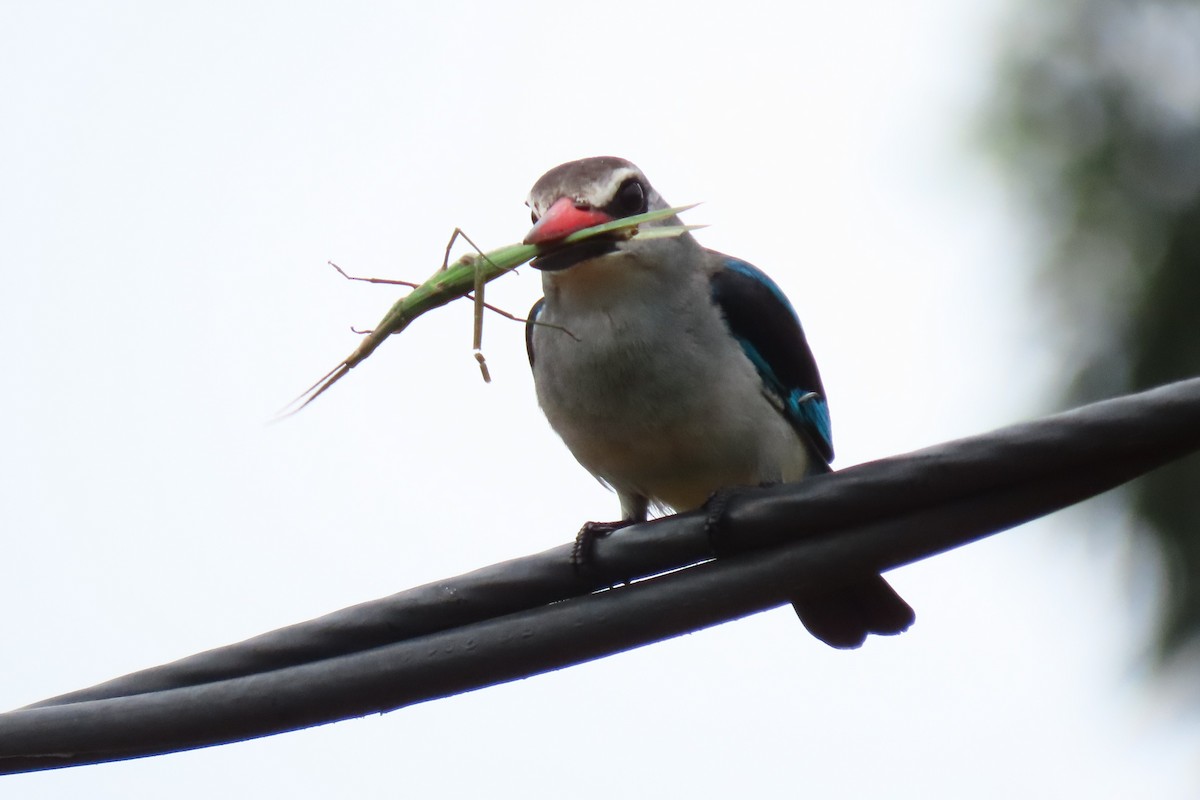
(1098, 118)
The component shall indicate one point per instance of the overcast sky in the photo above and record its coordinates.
(174, 178)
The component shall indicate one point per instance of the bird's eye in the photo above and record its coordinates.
(533, 216)
(630, 199)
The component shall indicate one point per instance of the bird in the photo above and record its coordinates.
(672, 371)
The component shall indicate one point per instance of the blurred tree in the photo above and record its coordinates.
(1098, 117)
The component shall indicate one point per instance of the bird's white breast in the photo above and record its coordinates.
(649, 391)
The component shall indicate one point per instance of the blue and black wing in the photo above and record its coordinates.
(766, 326)
(763, 321)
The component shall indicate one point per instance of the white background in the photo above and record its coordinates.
(173, 178)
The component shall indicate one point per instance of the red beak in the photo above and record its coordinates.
(562, 219)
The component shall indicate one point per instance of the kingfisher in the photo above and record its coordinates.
(672, 371)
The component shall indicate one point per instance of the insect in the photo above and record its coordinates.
(466, 277)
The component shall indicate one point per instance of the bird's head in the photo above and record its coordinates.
(580, 194)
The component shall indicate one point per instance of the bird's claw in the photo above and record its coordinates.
(583, 553)
(714, 515)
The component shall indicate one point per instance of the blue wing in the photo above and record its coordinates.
(766, 326)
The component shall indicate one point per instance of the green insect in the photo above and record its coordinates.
(467, 277)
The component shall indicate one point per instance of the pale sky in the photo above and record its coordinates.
(174, 180)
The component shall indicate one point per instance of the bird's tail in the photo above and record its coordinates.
(843, 617)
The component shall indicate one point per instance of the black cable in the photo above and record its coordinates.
(534, 614)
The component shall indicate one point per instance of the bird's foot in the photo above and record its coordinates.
(714, 515)
(583, 554)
